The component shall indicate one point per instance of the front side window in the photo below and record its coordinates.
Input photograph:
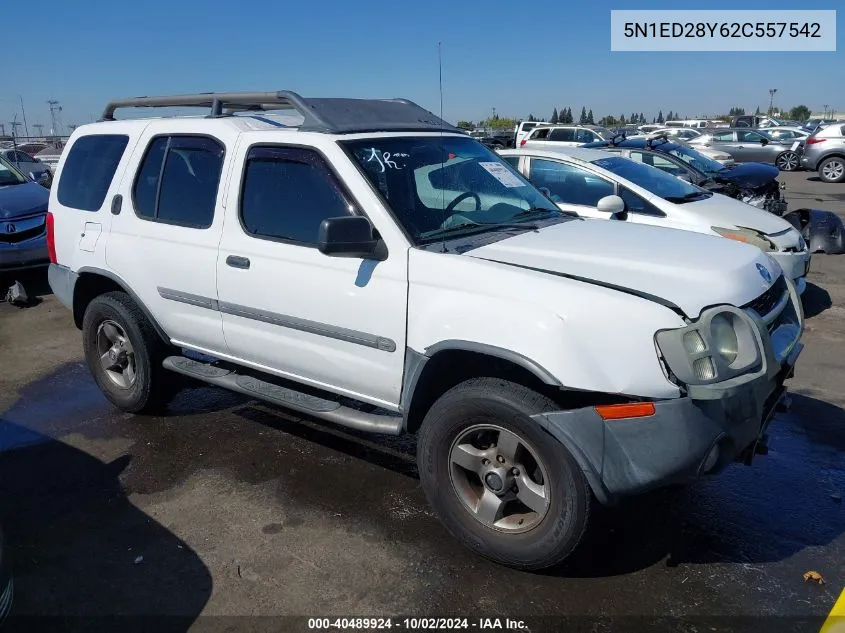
(723, 137)
(441, 185)
(569, 184)
(745, 136)
(636, 204)
(653, 180)
(287, 193)
(88, 170)
(178, 181)
(584, 136)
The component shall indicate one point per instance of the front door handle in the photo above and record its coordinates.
(235, 261)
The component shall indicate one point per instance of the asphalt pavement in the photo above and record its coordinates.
(228, 514)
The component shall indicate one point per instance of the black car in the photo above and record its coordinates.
(754, 183)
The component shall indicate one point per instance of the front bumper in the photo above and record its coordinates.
(795, 266)
(28, 254)
(698, 434)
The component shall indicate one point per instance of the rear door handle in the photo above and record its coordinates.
(235, 261)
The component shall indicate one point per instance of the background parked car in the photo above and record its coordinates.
(26, 163)
(524, 128)
(749, 145)
(567, 135)
(753, 183)
(824, 151)
(23, 215)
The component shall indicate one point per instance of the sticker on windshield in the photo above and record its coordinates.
(501, 173)
(795, 145)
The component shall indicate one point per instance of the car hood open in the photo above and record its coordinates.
(17, 201)
(748, 175)
(682, 269)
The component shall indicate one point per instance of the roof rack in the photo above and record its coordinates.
(329, 115)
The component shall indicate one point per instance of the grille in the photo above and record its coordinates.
(24, 230)
(769, 299)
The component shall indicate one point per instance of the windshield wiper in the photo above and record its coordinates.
(466, 226)
(542, 211)
(692, 195)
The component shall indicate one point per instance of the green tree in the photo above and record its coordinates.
(554, 117)
(736, 111)
(622, 120)
(499, 123)
(583, 118)
(800, 113)
(569, 118)
(465, 125)
(590, 117)
(757, 111)
(660, 116)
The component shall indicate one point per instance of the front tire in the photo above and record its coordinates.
(832, 169)
(124, 354)
(500, 484)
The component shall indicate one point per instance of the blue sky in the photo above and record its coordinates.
(517, 57)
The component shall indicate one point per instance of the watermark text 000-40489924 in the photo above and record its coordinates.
(718, 30)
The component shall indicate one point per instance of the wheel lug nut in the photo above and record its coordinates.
(485, 462)
(500, 459)
(515, 472)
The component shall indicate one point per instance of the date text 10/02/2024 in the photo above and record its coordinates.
(479, 624)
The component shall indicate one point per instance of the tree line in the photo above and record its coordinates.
(565, 116)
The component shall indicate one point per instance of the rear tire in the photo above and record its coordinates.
(832, 169)
(125, 354)
(534, 535)
(787, 161)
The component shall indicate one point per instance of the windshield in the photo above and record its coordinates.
(653, 180)
(9, 175)
(448, 185)
(697, 160)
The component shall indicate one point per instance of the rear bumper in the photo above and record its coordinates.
(62, 282)
(684, 440)
(27, 254)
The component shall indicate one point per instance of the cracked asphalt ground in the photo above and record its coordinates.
(229, 507)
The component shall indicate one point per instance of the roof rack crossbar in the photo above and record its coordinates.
(333, 115)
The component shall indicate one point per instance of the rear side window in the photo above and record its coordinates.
(178, 181)
(89, 169)
(723, 137)
(287, 193)
(562, 134)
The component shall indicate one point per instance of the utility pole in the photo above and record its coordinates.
(825, 111)
(38, 128)
(772, 92)
(55, 117)
(2, 129)
(23, 112)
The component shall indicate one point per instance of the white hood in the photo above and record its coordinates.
(689, 270)
(727, 212)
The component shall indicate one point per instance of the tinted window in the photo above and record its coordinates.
(635, 204)
(89, 169)
(562, 134)
(585, 136)
(539, 133)
(653, 180)
(287, 193)
(185, 191)
(723, 137)
(749, 137)
(513, 161)
(569, 184)
(664, 164)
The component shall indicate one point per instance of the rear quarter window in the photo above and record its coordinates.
(89, 169)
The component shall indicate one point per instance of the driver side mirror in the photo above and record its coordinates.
(764, 141)
(612, 205)
(43, 179)
(350, 236)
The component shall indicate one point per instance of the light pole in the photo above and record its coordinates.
(825, 111)
(772, 92)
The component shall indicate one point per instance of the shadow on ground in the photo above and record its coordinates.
(84, 558)
(815, 300)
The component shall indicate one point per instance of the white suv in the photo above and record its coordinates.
(363, 262)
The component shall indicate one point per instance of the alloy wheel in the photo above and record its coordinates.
(117, 356)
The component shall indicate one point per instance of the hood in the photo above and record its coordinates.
(727, 212)
(749, 175)
(676, 268)
(17, 201)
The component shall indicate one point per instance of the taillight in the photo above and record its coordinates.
(813, 141)
(51, 239)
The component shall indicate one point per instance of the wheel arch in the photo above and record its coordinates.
(92, 282)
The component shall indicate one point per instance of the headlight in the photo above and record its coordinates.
(749, 236)
(724, 337)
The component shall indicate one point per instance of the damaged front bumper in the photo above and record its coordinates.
(686, 438)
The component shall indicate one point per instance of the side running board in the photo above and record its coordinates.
(325, 409)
